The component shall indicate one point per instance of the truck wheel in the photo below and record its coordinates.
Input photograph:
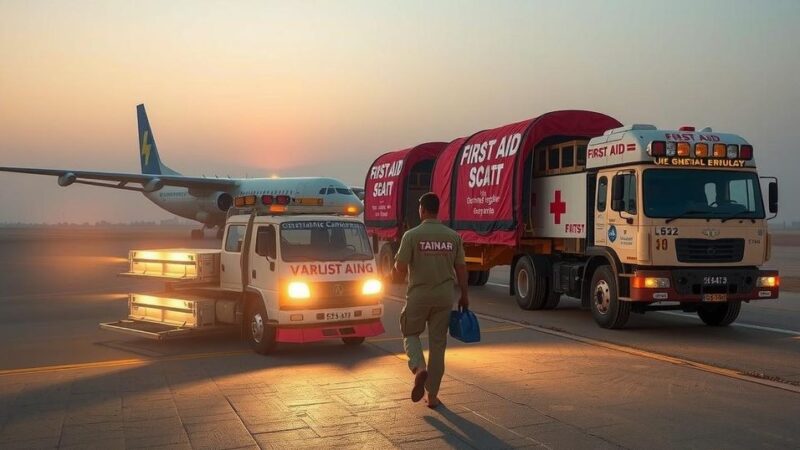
(260, 335)
(353, 340)
(483, 278)
(530, 284)
(553, 298)
(477, 277)
(719, 315)
(386, 264)
(607, 309)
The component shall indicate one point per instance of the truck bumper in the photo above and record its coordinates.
(316, 333)
(690, 285)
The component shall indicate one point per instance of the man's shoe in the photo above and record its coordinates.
(419, 385)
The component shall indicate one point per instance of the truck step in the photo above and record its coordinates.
(160, 331)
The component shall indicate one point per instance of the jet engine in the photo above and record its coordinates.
(216, 202)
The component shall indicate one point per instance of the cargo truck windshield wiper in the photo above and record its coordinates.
(684, 214)
(737, 215)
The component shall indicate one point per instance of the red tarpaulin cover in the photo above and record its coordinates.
(384, 188)
(479, 178)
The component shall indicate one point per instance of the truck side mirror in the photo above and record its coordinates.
(617, 193)
(773, 197)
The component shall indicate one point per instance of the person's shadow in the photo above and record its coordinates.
(466, 432)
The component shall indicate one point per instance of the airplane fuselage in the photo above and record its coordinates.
(210, 208)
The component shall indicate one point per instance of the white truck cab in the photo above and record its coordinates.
(289, 270)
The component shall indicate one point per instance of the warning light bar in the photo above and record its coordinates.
(701, 150)
(285, 204)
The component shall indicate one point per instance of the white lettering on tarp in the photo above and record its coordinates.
(382, 171)
(336, 268)
(485, 157)
(483, 204)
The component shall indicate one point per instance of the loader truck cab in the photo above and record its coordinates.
(288, 271)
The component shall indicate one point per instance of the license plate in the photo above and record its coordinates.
(338, 315)
(715, 281)
(715, 297)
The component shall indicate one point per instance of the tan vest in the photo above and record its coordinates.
(431, 250)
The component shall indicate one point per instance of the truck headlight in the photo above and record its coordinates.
(651, 282)
(299, 290)
(372, 287)
(773, 281)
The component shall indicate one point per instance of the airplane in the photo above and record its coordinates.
(205, 200)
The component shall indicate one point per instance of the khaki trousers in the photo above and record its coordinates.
(413, 320)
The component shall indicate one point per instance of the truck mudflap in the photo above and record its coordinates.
(702, 285)
(160, 331)
(305, 334)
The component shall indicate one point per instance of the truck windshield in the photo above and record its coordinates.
(324, 240)
(702, 194)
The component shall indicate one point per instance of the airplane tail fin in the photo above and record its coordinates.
(148, 152)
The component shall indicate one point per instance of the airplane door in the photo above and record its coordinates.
(599, 211)
(230, 259)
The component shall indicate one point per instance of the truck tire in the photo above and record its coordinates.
(483, 279)
(353, 340)
(530, 284)
(386, 264)
(607, 309)
(553, 298)
(719, 315)
(259, 334)
(477, 277)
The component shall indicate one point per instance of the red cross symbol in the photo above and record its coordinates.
(557, 208)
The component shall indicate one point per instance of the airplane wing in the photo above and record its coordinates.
(145, 182)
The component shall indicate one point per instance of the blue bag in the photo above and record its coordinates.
(464, 326)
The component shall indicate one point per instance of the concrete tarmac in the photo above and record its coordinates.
(64, 382)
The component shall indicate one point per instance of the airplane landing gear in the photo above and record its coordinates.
(198, 234)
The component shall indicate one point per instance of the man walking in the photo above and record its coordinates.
(433, 256)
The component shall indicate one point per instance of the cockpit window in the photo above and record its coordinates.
(344, 191)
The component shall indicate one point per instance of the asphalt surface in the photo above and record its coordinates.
(56, 285)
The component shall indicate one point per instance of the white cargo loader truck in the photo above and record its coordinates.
(290, 270)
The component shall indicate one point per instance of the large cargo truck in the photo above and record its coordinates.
(626, 219)
(290, 270)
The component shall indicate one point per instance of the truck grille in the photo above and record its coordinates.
(709, 250)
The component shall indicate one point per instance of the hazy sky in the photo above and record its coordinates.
(322, 88)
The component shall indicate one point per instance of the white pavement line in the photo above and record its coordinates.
(492, 283)
(736, 324)
(527, 438)
(730, 373)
